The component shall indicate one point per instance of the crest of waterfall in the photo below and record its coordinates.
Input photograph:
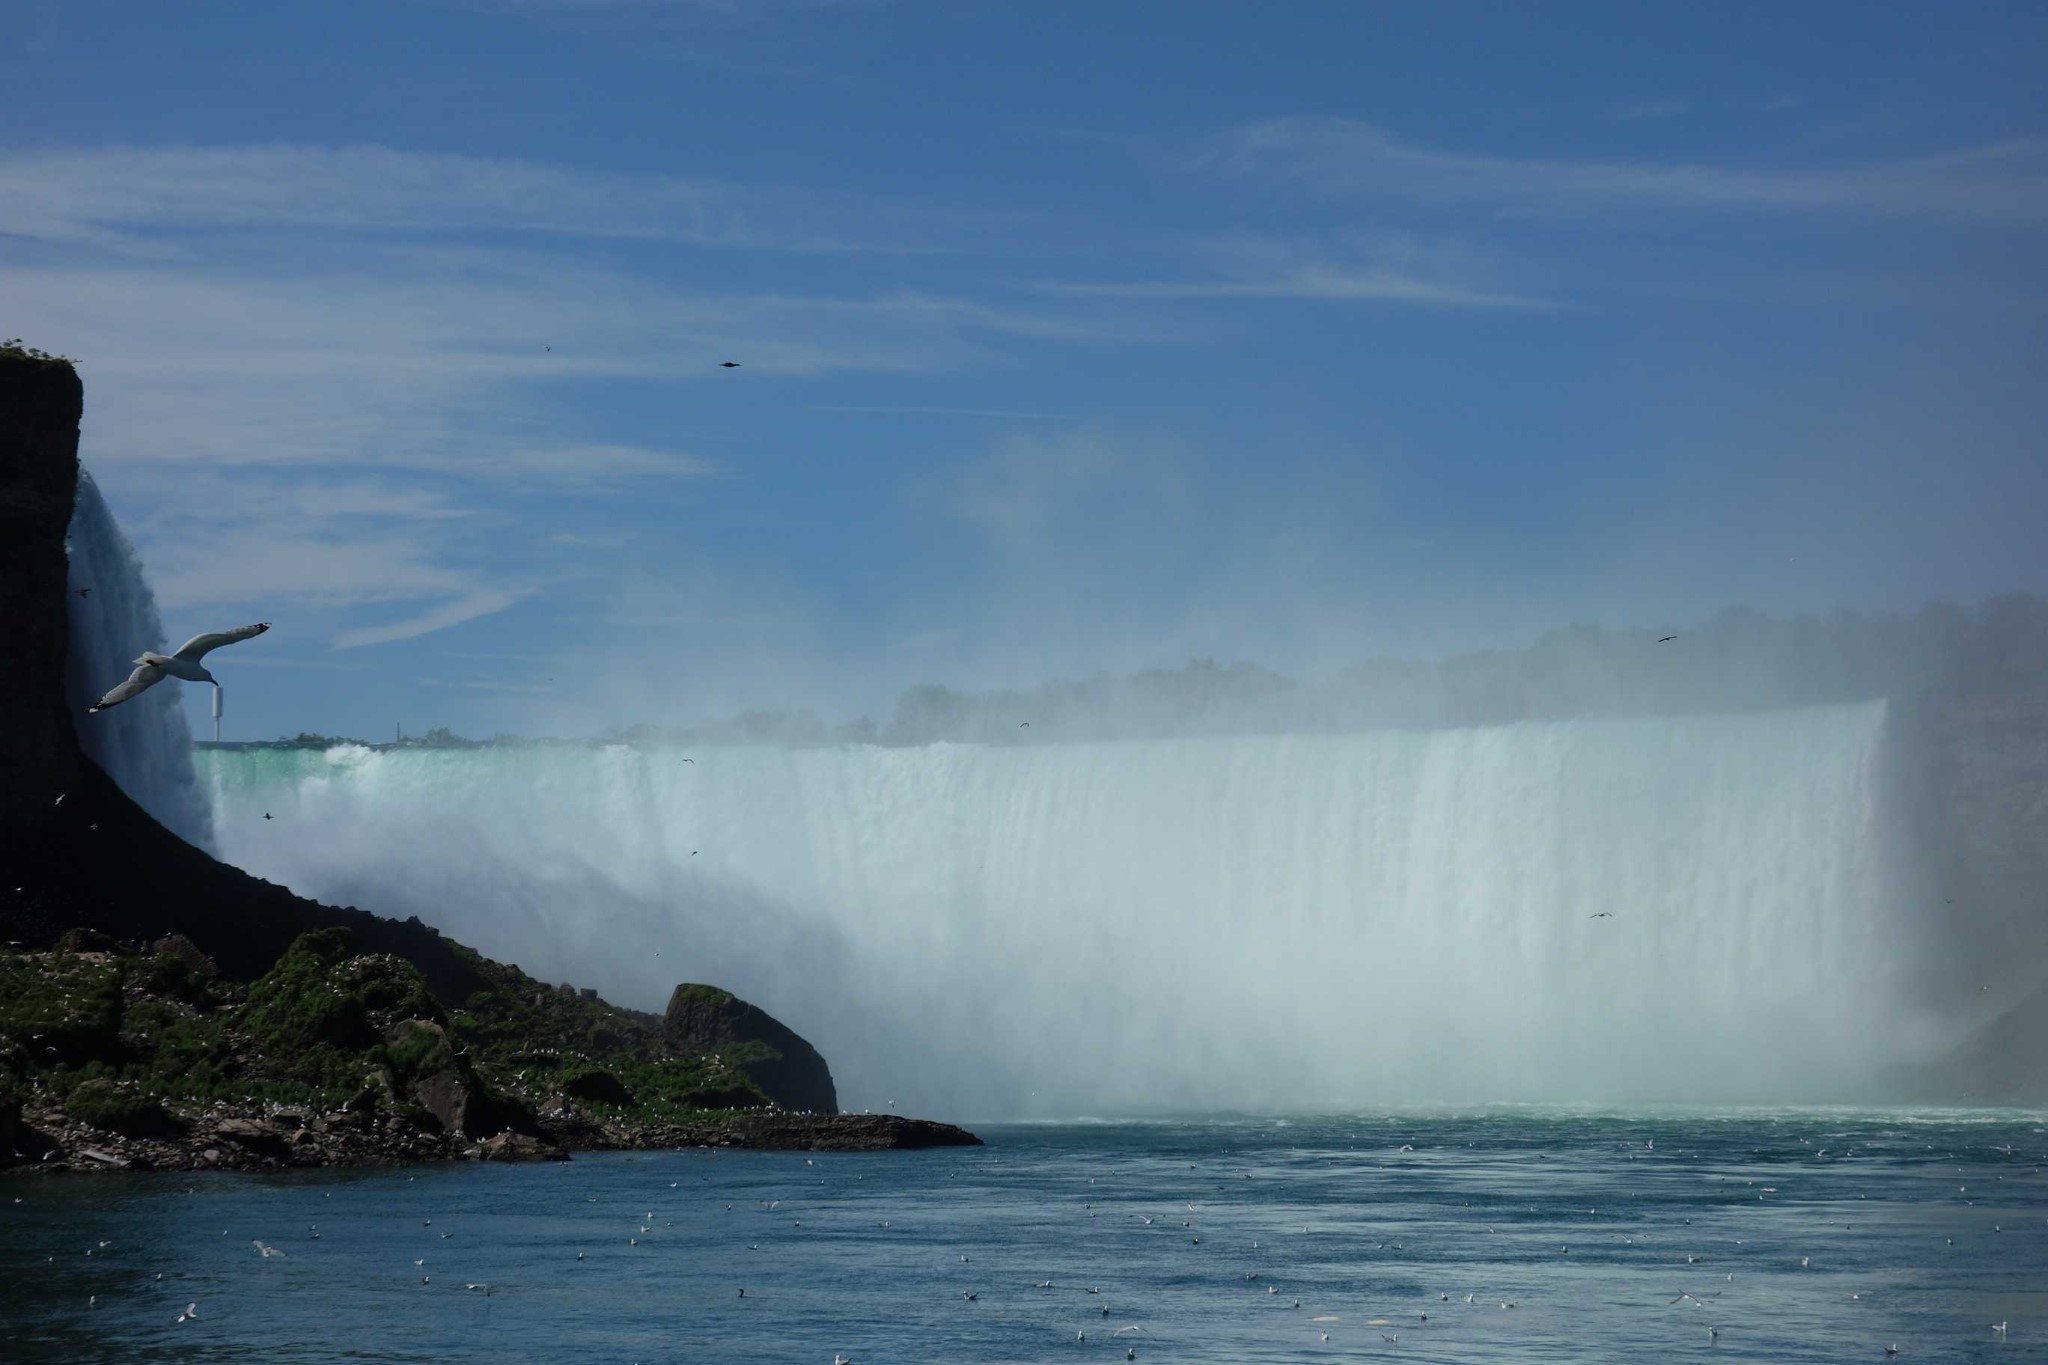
(144, 744)
(1260, 921)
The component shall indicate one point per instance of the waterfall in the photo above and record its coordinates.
(143, 744)
(1272, 921)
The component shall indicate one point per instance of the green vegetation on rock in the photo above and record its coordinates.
(146, 1044)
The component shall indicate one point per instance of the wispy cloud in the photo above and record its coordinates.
(330, 376)
(885, 410)
(143, 197)
(397, 365)
(1350, 269)
(1333, 285)
(468, 608)
(2002, 181)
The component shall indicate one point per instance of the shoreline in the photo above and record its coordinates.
(256, 1138)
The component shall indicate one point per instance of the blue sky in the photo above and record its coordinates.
(1071, 337)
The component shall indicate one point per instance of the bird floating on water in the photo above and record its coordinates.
(152, 668)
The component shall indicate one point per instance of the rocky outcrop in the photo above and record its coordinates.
(135, 1042)
(74, 850)
(707, 1019)
(844, 1133)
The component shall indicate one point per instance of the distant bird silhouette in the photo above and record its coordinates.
(1604, 914)
(1023, 725)
(1666, 639)
(85, 592)
(729, 365)
(267, 1251)
(266, 815)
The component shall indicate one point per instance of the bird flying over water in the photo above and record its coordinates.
(728, 364)
(1666, 639)
(1604, 914)
(151, 668)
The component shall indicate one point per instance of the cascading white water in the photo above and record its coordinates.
(1258, 922)
(143, 744)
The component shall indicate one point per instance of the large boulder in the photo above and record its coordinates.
(788, 1069)
(441, 1079)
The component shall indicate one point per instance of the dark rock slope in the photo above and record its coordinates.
(150, 995)
(707, 1019)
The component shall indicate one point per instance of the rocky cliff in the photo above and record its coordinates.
(707, 1019)
(106, 915)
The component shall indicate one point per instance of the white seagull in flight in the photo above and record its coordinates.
(152, 667)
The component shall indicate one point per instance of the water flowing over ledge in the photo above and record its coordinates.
(145, 744)
(1259, 921)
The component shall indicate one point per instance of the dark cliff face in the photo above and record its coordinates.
(75, 852)
(40, 405)
(788, 1069)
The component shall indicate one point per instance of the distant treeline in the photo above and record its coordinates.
(1740, 660)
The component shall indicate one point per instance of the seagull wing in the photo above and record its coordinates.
(198, 646)
(141, 680)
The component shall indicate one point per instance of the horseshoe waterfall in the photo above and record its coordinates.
(1611, 909)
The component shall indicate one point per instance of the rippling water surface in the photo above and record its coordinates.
(1804, 1236)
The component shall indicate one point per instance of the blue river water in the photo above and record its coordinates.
(1497, 1235)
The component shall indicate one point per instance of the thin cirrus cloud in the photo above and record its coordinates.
(141, 196)
(486, 602)
(1313, 283)
(2000, 181)
(392, 328)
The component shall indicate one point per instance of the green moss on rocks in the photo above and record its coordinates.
(63, 1009)
(120, 1108)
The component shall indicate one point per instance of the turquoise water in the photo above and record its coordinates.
(1812, 1236)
